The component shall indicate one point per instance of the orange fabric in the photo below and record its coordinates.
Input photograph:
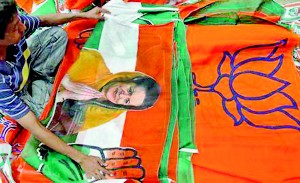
(20, 141)
(257, 14)
(9, 130)
(3, 178)
(243, 153)
(155, 59)
(21, 171)
(38, 1)
(187, 10)
(77, 4)
(28, 174)
(26, 5)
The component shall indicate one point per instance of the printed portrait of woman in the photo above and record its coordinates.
(91, 95)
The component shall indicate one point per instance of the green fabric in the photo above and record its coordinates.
(49, 117)
(60, 168)
(156, 14)
(47, 8)
(225, 18)
(227, 12)
(228, 19)
(186, 115)
(156, 18)
(182, 109)
(164, 162)
(152, 8)
(30, 153)
(268, 7)
(95, 38)
(185, 172)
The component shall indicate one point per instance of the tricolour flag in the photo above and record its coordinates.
(130, 44)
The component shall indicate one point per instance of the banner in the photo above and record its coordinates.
(246, 89)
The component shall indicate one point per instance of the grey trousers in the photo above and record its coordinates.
(47, 49)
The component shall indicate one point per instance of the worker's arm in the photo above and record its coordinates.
(61, 18)
(90, 164)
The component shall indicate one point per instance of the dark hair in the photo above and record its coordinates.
(152, 93)
(152, 90)
(7, 10)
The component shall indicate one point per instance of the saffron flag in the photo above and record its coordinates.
(246, 90)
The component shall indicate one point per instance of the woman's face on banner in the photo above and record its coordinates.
(125, 94)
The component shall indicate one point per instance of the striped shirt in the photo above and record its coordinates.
(14, 72)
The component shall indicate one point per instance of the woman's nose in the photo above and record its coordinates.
(124, 94)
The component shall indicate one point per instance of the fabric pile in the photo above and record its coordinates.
(292, 18)
(227, 107)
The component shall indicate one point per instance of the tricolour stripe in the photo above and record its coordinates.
(118, 45)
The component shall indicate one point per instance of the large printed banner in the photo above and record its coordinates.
(130, 64)
(156, 66)
(246, 89)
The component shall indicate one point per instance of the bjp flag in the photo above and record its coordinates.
(246, 89)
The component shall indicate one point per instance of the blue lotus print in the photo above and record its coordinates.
(248, 86)
(8, 125)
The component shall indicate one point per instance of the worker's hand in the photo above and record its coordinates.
(96, 13)
(94, 167)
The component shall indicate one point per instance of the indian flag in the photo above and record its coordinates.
(133, 39)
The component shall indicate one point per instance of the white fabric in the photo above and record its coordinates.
(122, 12)
(5, 166)
(118, 45)
(106, 135)
(119, 40)
(189, 150)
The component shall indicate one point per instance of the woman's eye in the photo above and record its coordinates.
(130, 91)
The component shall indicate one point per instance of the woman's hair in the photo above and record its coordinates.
(152, 90)
(7, 10)
(151, 87)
